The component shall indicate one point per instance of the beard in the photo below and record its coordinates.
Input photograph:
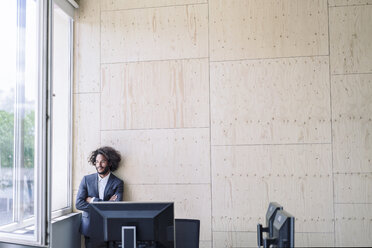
(104, 172)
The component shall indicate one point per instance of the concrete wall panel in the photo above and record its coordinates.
(86, 134)
(87, 47)
(166, 94)
(353, 225)
(350, 36)
(353, 187)
(242, 29)
(352, 122)
(336, 3)
(270, 101)
(249, 239)
(154, 34)
(162, 156)
(246, 178)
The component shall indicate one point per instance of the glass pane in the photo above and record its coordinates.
(61, 110)
(7, 95)
(18, 104)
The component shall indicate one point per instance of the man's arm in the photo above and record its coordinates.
(81, 197)
(118, 195)
(119, 191)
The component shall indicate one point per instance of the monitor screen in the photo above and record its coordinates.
(154, 222)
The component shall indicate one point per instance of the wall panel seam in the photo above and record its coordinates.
(279, 144)
(351, 5)
(353, 73)
(154, 7)
(352, 173)
(270, 58)
(151, 184)
(210, 126)
(148, 129)
(82, 93)
(330, 105)
(149, 61)
(352, 203)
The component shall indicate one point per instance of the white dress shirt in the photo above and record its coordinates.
(102, 182)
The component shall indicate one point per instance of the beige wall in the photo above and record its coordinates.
(225, 105)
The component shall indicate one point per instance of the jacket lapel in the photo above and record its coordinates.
(95, 186)
(108, 186)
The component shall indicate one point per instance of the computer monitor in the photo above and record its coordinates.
(283, 231)
(153, 222)
(270, 217)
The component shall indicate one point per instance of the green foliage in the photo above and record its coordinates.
(29, 139)
(7, 138)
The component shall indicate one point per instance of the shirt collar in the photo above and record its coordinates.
(103, 179)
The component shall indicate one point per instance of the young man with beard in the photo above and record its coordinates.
(100, 186)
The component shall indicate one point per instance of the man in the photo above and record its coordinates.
(100, 186)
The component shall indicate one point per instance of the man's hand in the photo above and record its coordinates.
(88, 199)
(113, 198)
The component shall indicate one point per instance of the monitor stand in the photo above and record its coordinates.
(128, 237)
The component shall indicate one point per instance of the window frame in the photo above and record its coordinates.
(43, 214)
(61, 4)
(40, 219)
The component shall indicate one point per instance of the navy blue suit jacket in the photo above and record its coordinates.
(89, 188)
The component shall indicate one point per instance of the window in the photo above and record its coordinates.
(61, 112)
(20, 206)
(35, 151)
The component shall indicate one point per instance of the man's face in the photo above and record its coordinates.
(102, 165)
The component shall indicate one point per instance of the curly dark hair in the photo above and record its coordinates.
(113, 157)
